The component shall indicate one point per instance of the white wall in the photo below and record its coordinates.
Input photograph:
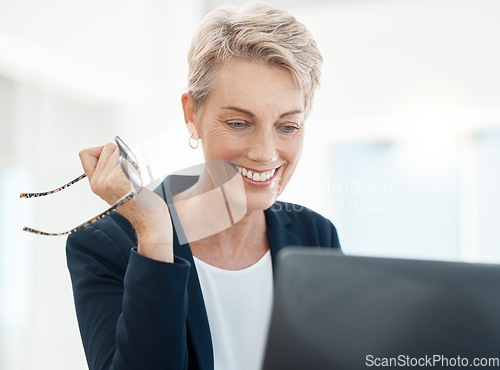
(420, 74)
(72, 75)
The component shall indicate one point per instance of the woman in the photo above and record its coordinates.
(143, 300)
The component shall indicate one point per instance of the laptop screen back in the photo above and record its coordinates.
(334, 311)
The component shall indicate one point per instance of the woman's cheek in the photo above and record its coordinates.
(292, 161)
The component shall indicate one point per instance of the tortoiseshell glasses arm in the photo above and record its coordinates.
(34, 195)
(89, 222)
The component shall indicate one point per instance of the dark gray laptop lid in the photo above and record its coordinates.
(333, 311)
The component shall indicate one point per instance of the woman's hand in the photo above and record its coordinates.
(147, 212)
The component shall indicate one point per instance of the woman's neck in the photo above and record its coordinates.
(236, 247)
(213, 235)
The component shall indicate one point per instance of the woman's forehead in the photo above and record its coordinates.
(242, 71)
(245, 84)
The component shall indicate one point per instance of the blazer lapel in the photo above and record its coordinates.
(197, 320)
(278, 233)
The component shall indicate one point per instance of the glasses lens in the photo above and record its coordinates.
(126, 152)
(132, 173)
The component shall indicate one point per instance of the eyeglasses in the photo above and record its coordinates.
(130, 167)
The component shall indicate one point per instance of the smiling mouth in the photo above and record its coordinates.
(259, 176)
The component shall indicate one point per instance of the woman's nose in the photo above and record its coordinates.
(262, 147)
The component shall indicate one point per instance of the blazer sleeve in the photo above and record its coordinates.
(131, 311)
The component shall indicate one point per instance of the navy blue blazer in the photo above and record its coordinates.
(138, 313)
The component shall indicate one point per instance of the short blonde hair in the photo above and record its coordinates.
(256, 32)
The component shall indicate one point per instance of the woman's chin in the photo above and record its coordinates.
(239, 207)
(259, 202)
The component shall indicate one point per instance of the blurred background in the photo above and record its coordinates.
(401, 148)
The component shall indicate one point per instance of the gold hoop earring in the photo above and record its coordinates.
(191, 144)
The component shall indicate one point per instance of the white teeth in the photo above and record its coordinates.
(256, 176)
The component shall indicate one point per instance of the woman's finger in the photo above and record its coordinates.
(89, 158)
(111, 163)
(106, 153)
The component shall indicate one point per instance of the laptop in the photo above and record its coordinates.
(348, 312)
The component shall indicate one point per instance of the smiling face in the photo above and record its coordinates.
(253, 118)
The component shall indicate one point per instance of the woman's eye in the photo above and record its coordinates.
(236, 124)
(288, 128)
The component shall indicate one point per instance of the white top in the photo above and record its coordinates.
(239, 307)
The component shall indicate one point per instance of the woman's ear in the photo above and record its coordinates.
(189, 115)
